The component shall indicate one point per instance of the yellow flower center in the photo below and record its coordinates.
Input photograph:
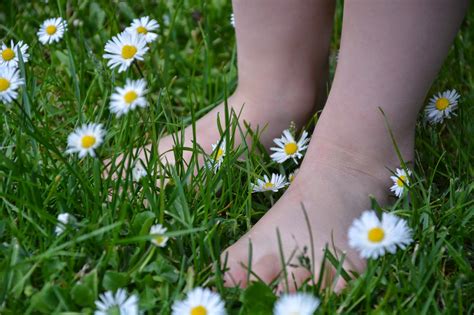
(130, 96)
(219, 154)
(291, 148)
(159, 239)
(8, 54)
(128, 51)
(268, 185)
(400, 180)
(4, 84)
(142, 30)
(88, 141)
(376, 235)
(198, 310)
(442, 103)
(51, 29)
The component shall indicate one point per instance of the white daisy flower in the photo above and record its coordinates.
(200, 301)
(400, 181)
(292, 176)
(52, 30)
(138, 171)
(217, 156)
(63, 220)
(298, 304)
(85, 139)
(144, 26)
(123, 49)
(441, 106)
(10, 81)
(119, 303)
(157, 231)
(288, 147)
(373, 237)
(9, 54)
(274, 184)
(129, 97)
(77, 23)
(232, 19)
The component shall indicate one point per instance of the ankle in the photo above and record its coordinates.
(277, 93)
(351, 157)
(367, 136)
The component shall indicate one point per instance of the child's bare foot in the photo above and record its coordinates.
(334, 184)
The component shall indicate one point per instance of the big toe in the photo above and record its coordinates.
(242, 268)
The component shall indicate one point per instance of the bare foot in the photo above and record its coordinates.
(346, 163)
(334, 184)
(269, 112)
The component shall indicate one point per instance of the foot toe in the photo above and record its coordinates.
(239, 271)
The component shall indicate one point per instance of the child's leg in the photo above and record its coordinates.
(390, 53)
(282, 68)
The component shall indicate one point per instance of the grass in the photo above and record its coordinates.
(189, 69)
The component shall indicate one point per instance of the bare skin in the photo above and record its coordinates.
(390, 54)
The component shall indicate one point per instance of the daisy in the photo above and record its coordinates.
(123, 49)
(129, 97)
(400, 181)
(276, 183)
(138, 171)
(292, 176)
(296, 304)
(200, 301)
(85, 139)
(144, 27)
(157, 231)
(117, 304)
(9, 82)
(288, 147)
(9, 54)
(77, 23)
(63, 220)
(52, 30)
(217, 156)
(373, 237)
(442, 106)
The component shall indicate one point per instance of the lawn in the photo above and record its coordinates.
(190, 68)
